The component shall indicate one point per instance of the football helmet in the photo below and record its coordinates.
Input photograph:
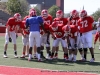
(17, 16)
(59, 14)
(44, 13)
(32, 9)
(32, 13)
(74, 13)
(54, 26)
(67, 29)
(83, 14)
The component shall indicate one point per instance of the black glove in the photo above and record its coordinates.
(70, 18)
(75, 45)
(80, 34)
(69, 45)
(16, 36)
(10, 40)
(63, 38)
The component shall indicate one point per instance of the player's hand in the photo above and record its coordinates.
(54, 37)
(70, 18)
(24, 36)
(16, 36)
(69, 45)
(10, 40)
(63, 38)
(80, 34)
(75, 45)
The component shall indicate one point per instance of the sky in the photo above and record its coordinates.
(89, 5)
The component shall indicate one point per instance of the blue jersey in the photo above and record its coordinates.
(34, 23)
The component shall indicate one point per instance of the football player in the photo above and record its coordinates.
(34, 22)
(58, 36)
(97, 35)
(12, 27)
(60, 20)
(85, 25)
(71, 35)
(74, 17)
(45, 37)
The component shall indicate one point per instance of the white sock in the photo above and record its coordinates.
(30, 56)
(38, 56)
(74, 56)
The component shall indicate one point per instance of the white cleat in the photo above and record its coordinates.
(92, 60)
(15, 56)
(5, 56)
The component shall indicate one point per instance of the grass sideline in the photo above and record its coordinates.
(58, 64)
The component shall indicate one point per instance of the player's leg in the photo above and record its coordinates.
(42, 41)
(89, 42)
(24, 41)
(74, 49)
(70, 49)
(13, 36)
(6, 45)
(31, 39)
(64, 46)
(37, 38)
(79, 45)
(54, 45)
(96, 37)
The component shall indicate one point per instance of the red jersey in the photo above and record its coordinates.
(46, 27)
(48, 20)
(73, 31)
(12, 23)
(63, 21)
(59, 33)
(85, 24)
(26, 17)
(74, 21)
(23, 27)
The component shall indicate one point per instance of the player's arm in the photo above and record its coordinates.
(27, 24)
(8, 28)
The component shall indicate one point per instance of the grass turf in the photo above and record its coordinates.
(58, 64)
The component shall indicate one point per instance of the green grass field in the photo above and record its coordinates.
(58, 64)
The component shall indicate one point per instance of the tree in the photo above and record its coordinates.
(37, 11)
(24, 7)
(52, 10)
(14, 6)
(96, 15)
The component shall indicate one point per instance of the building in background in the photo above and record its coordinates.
(45, 4)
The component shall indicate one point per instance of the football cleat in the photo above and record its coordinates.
(23, 56)
(5, 56)
(40, 60)
(55, 56)
(15, 56)
(99, 47)
(92, 60)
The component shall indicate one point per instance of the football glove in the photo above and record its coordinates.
(10, 40)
